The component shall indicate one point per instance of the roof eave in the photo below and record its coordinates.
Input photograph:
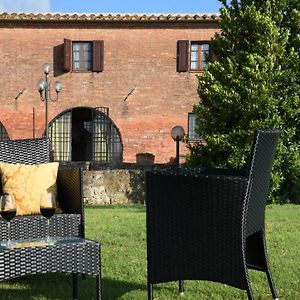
(111, 18)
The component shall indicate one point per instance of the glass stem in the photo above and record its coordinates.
(48, 230)
(8, 232)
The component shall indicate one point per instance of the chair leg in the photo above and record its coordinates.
(258, 257)
(75, 286)
(249, 293)
(271, 284)
(268, 272)
(98, 287)
(150, 291)
(181, 287)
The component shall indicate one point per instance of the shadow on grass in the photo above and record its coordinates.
(131, 207)
(56, 286)
(59, 287)
(113, 289)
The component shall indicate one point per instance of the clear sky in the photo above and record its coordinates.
(113, 6)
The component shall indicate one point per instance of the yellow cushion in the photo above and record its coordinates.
(29, 184)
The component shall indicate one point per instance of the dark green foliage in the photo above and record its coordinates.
(254, 83)
(292, 21)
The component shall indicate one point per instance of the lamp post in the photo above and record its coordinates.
(44, 90)
(177, 134)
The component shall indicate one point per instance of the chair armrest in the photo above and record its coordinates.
(70, 192)
(35, 226)
(226, 172)
(212, 171)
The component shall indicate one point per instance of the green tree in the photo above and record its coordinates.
(292, 21)
(249, 87)
(290, 91)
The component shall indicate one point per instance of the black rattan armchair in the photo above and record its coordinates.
(71, 252)
(210, 224)
(69, 190)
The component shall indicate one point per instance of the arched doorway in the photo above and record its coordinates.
(3, 133)
(85, 134)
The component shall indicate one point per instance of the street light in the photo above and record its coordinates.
(44, 90)
(177, 134)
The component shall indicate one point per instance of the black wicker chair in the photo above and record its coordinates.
(69, 224)
(210, 224)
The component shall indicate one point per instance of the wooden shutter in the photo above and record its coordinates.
(98, 56)
(67, 55)
(213, 56)
(183, 56)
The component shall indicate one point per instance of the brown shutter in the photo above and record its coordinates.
(67, 55)
(182, 56)
(98, 56)
(212, 55)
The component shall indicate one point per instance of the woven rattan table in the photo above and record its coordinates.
(62, 254)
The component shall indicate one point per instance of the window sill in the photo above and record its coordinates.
(82, 71)
(200, 140)
(197, 71)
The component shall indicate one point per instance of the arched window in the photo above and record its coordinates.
(85, 134)
(3, 133)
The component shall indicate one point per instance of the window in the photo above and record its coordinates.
(193, 135)
(192, 56)
(199, 56)
(83, 56)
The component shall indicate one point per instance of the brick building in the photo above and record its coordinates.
(127, 80)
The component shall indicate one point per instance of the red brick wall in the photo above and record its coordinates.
(140, 57)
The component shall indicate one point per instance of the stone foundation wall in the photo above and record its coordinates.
(118, 186)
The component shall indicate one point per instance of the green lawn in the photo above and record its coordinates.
(121, 230)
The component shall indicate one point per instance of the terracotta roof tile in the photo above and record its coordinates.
(64, 17)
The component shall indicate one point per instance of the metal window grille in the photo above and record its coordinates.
(96, 135)
(3, 133)
(60, 134)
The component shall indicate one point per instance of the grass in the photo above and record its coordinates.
(121, 230)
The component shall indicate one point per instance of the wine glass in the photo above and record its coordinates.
(47, 208)
(8, 212)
